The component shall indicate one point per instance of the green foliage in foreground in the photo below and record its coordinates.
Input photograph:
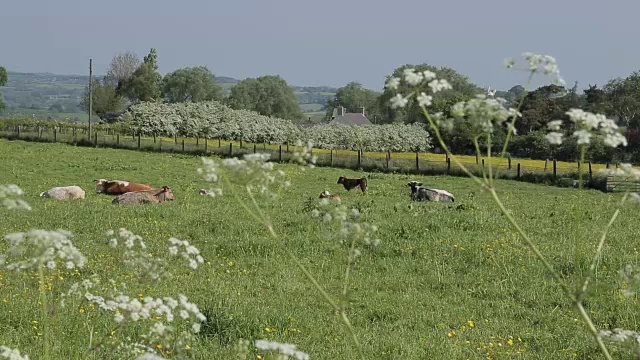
(442, 275)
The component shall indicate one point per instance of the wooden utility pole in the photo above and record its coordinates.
(90, 94)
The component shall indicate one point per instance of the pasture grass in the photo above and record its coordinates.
(448, 281)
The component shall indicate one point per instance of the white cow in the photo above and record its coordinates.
(419, 193)
(64, 193)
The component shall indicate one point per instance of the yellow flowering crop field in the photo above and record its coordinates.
(446, 281)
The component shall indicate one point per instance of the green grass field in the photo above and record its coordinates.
(448, 281)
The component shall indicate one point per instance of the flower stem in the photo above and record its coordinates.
(598, 253)
(262, 219)
(44, 316)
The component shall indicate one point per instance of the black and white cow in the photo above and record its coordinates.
(419, 193)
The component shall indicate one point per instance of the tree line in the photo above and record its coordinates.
(130, 80)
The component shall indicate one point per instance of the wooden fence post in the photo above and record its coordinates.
(206, 145)
(280, 154)
(139, 140)
(264, 146)
(483, 163)
(219, 144)
(448, 164)
(607, 164)
(477, 161)
(230, 149)
(254, 148)
(117, 139)
(154, 137)
(518, 170)
(55, 134)
(160, 145)
(546, 165)
(197, 140)
(387, 160)
(579, 166)
(74, 133)
(590, 172)
(417, 162)
(240, 143)
(509, 159)
(555, 168)
(359, 158)
(331, 156)
(18, 130)
(175, 138)
(183, 144)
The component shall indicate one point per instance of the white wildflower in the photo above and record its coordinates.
(398, 101)
(554, 125)
(584, 136)
(393, 83)
(186, 251)
(483, 113)
(113, 242)
(7, 194)
(283, 348)
(428, 75)
(149, 356)
(509, 63)
(554, 138)
(42, 247)
(12, 354)
(412, 78)
(537, 63)
(439, 85)
(424, 99)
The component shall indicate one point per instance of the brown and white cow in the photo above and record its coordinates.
(153, 196)
(327, 194)
(118, 187)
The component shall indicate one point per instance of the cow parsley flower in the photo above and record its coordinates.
(483, 113)
(424, 99)
(554, 138)
(282, 348)
(352, 229)
(438, 85)
(305, 156)
(587, 124)
(399, 101)
(37, 248)
(393, 83)
(254, 171)
(8, 194)
(186, 251)
(537, 63)
(412, 78)
(12, 354)
(428, 75)
(136, 255)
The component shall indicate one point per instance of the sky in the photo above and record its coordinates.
(329, 42)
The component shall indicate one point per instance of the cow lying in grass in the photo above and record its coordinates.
(419, 193)
(118, 187)
(326, 194)
(353, 183)
(64, 193)
(153, 196)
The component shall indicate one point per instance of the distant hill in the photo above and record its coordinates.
(58, 96)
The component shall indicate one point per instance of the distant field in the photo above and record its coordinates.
(448, 281)
(311, 108)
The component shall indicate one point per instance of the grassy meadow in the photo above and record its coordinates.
(448, 281)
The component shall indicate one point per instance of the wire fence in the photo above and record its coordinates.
(547, 171)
